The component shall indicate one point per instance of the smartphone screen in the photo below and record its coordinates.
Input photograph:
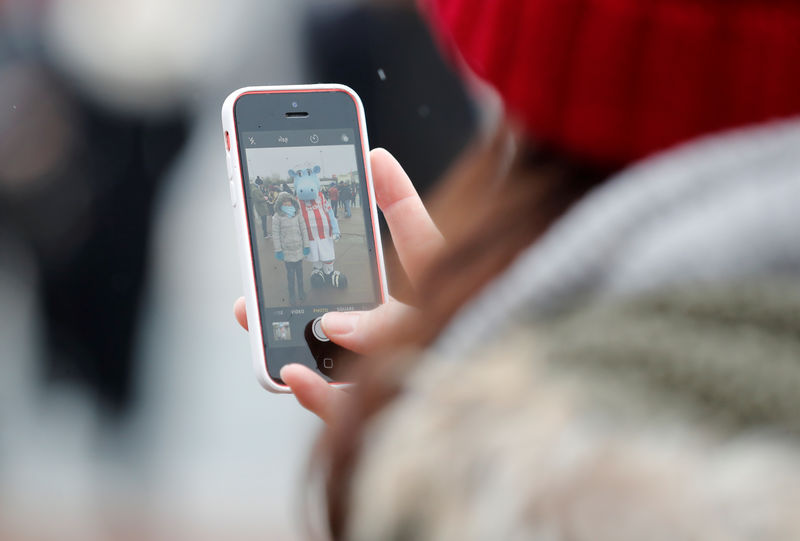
(311, 231)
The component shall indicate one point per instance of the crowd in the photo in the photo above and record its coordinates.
(343, 196)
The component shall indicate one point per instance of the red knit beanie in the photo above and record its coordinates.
(614, 80)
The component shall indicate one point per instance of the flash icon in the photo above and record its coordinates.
(252, 140)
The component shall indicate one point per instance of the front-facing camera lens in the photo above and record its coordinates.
(294, 104)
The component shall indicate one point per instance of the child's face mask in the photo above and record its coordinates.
(290, 210)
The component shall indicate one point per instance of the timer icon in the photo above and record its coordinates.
(314, 138)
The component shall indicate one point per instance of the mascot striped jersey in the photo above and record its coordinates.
(321, 224)
(317, 211)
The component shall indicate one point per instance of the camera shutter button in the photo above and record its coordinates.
(319, 334)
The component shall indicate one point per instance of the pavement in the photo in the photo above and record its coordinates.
(352, 259)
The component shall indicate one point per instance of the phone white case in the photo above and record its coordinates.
(237, 186)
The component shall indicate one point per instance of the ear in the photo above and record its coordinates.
(292, 174)
(317, 169)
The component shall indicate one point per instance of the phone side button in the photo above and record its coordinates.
(233, 193)
(229, 164)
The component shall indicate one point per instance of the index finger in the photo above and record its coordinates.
(415, 235)
(240, 312)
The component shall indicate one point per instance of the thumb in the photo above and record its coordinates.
(313, 392)
(363, 332)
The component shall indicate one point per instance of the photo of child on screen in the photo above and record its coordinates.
(290, 241)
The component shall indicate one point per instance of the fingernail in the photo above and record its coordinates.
(339, 323)
(284, 367)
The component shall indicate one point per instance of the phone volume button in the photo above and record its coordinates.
(229, 164)
(233, 193)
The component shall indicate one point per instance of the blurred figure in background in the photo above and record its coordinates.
(333, 195)
(123, 409)
(260, 207)
(346, 196)
(80, 167)
(414, 102)
(611, 334)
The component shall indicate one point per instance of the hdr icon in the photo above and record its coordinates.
(282, 139)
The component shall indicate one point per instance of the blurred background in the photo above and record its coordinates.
(128, 409)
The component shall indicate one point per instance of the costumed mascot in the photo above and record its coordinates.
(322, 227)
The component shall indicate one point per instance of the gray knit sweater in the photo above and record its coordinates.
(715, 210)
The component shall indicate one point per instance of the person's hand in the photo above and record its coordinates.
(416, 240)
(279, 255)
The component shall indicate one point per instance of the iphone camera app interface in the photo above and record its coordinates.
(311, 233)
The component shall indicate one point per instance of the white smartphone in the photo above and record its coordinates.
(306, 221)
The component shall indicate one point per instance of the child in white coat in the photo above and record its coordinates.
(290, 239)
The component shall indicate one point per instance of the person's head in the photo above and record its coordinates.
(306, 182)
(593, 86)
(286, 203)
(259, 182)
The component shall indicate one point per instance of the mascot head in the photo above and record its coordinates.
(306, 182)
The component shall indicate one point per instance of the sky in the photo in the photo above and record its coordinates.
(333, 159)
